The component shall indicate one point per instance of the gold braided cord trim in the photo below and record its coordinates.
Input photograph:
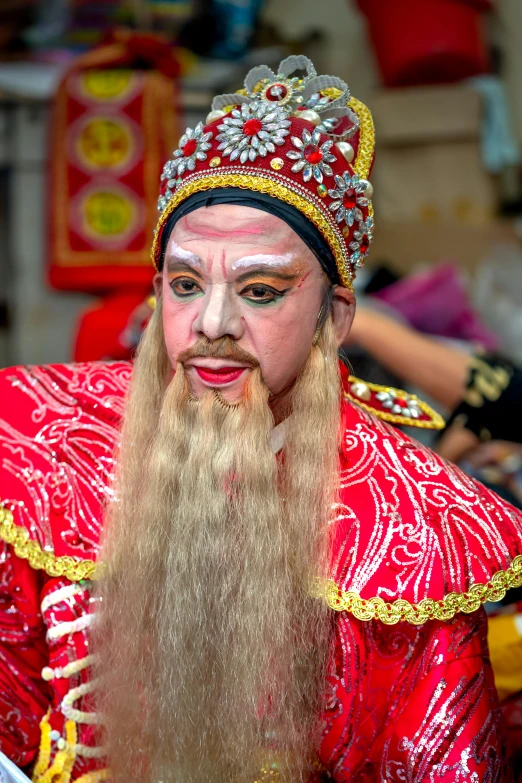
(95, 776)
(25, 548)
(362, 608)
(61, 768)
(363, 162)
(261, 184)
(436, 421)
(44, 755)
(427, 609)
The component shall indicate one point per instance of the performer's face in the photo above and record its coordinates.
(237, 271)
(206, 617)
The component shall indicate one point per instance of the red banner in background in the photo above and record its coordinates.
(113, 128)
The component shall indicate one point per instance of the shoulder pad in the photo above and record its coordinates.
(392, 405)
(415, 538)
(59, 427)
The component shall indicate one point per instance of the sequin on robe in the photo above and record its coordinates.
(418, 547)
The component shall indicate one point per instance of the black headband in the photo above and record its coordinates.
(303, 227)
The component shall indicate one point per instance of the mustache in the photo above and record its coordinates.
(223, 348)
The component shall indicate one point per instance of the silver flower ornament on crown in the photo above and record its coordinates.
(249, 134)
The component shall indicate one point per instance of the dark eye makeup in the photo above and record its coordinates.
(256, 293)
(183, 287)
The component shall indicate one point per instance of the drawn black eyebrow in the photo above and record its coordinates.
(267, 272)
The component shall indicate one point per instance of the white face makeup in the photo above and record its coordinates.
(262, 260)
(255, 281)
(181, 254)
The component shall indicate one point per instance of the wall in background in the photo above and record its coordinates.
(508, 33)
(346, 53)
(349, 55)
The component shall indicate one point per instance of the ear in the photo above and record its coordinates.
(158, 284)
(343, 311)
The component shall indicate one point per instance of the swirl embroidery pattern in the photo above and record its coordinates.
(410, 527)
(57, 464)
(412, 702)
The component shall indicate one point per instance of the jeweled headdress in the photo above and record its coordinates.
(301, 139)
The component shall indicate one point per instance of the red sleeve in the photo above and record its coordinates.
(24, 697)
(413, 704)
(448, 729)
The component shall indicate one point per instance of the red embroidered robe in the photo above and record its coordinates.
(417, 544)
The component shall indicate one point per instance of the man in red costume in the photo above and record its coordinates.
(287, 587)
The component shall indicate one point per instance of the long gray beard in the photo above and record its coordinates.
(212, 651)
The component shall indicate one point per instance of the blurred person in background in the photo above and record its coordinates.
(482, 392)
(263, 580)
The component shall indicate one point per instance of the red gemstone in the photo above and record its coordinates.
(190, 148)
(400, 402)
(313, 154)
(365, 244)
(276, 92)
(349, 199)
(251, 127)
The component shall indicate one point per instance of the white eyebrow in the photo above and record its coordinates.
(264, 259)
(184, 255)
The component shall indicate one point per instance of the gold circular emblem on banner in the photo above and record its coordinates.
(107, 213)
(104, 143)
(107, 85)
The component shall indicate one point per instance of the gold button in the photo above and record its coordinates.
(214, 162)
(277, 163)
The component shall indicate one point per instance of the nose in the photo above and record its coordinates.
(219, 315)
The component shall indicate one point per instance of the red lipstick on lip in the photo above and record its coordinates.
(221, 376)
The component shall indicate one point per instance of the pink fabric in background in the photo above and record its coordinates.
(436, 302)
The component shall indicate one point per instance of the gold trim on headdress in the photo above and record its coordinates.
(363, 162)
(228, 152)
(262, 183)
